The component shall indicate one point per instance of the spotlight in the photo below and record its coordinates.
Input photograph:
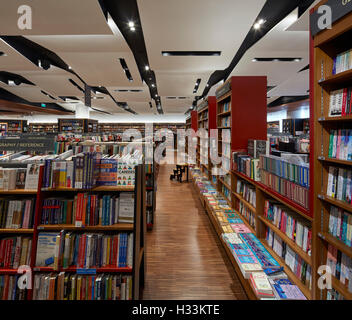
(44, 64)
(254, 60)
(131, 24)
(146, 68)
(256, 26)
(11, 83)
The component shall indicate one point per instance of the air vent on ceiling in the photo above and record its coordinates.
(191, 53)
(182, 97)
(76, 85)
(197, 85)
(125, 68)
(170, 97)
(277, 59)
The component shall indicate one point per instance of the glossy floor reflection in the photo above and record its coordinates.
(185, 259)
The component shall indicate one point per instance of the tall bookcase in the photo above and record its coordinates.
(78, 125)
(325, 46)
(206, 120)
(244, 114)
(138, 228)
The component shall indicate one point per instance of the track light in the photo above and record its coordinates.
(44, 64)
(146, 68)
(11, 83)
(256, 26)
(131, 24)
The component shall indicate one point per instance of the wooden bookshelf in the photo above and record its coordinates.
(44, 127)
(18, 192)
(16, 231)
(77, 125)
(138, 227)
(324, 47)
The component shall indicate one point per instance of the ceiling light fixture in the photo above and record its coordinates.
(147, 68)
(44, 64)
(3, 54)
(11, 83)
(254, 60)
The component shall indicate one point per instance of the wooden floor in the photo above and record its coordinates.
(185, 259)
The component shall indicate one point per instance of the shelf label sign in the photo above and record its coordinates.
(329, 13)
(86, 271)
(28, 142)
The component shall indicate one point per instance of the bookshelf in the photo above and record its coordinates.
(325, 47)
(78, 125)
(43, 127)
(137, 271)
(244, 115)
(206, 120)
(12, 126)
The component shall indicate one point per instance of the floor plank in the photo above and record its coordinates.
(185, 259)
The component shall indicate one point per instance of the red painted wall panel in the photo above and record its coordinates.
(249, 110)
(194, 120)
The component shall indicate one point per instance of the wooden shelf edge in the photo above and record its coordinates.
(288, 241)
(18, 191)
(335, 202)
(337, 78)
(336, 243)
(4, 230)
(120, 226)
(96, 189)
(337, 285)
(245, 202)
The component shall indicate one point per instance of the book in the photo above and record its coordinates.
(46, 249)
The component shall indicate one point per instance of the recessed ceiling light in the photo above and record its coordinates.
(254, 60)
(156, 95)
(256, 26)
(153, 85)
(131, 24)
(70, 67)
(11, 83)
(261, 21)
(147, 68)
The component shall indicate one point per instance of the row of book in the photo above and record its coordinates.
(257, 148)
(286, 169)
(290, 223)
(225, 122)
(246, 213)
(246, 165)
(340, 266)
(16, 214)
(333, 295)
(342, 62)
(339, 184)
(286, 188)
(247, 191)
(89, 210)
(87, 250)
(66, 286)
(19, 178)
(297, 265)
(340, 144)
(15, 252)
(226, 107)
(88, 170)
(340, 225)
(9, 289)
(340, 102)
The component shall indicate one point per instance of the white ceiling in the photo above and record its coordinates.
(78, 33)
